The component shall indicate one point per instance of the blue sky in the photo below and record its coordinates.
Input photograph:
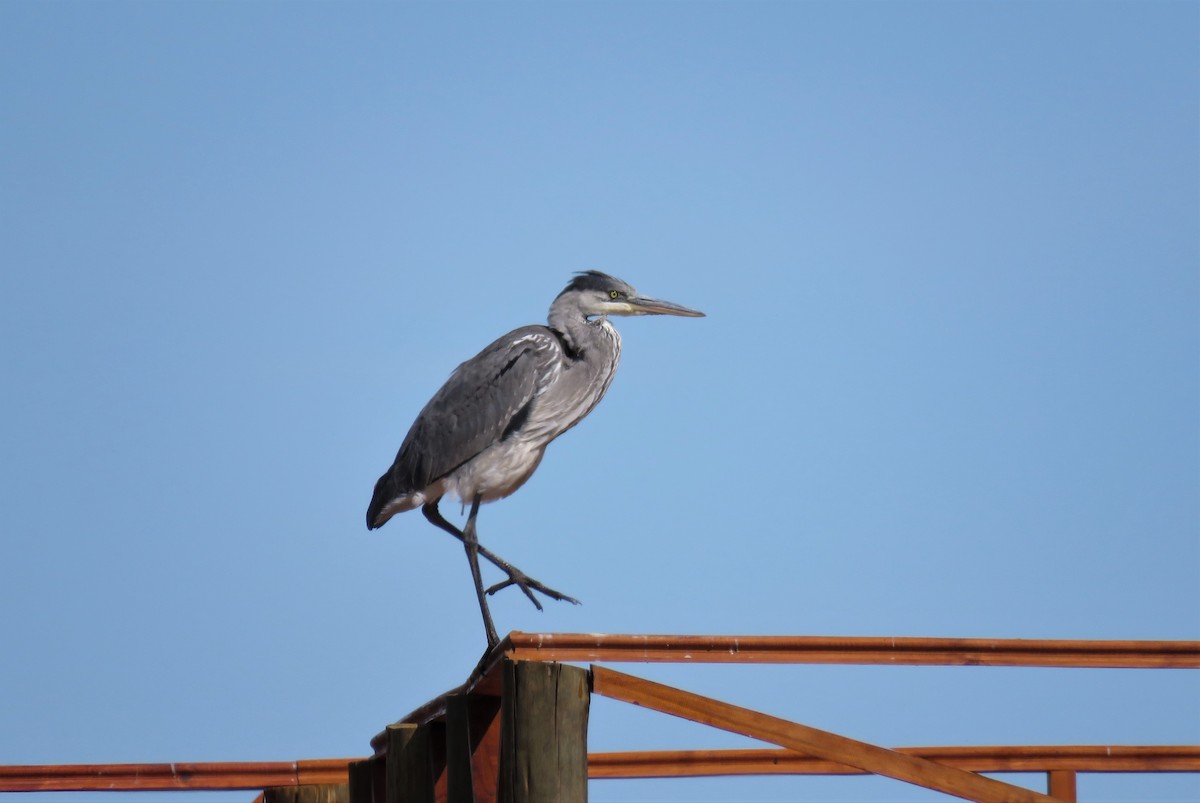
(948, 385)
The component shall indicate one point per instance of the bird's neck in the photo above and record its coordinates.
(577, 332)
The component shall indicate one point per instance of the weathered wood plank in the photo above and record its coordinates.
(311, 793)
(362, 782)
(544, 716)
(460, 786)
(409, 770)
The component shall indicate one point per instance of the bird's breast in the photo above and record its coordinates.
(496, 472)
(569, 393)
(577, 389)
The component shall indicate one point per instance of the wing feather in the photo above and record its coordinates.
(473, 410)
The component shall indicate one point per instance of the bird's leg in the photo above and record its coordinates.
(515, 576)
(471, 543)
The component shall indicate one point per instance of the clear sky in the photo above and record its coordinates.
(948, 385)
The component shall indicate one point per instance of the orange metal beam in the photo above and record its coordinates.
(642, 764)
(592, 647)
(164, 777)
(885, 650)
(1079, 758)
(823, 744)
(1062, 785)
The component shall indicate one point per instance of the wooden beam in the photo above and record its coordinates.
(593, 647)
(543, 750)
(830, 746)
(1075, 758)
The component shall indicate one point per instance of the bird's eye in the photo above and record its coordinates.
(613, 294)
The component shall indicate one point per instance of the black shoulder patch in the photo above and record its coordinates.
(508, 366)
(571, 352)
(518, 421)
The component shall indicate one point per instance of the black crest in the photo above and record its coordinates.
(596, 280)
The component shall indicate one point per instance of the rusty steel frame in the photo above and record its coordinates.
(945, 768)
(256, 775)
(997, 759)
(812, 741)
(211, 776)
(861, 650)
(828, 650)
(252, 775)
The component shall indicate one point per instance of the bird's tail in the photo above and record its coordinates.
(387, 501)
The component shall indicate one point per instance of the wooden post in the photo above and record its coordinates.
(1062, 785)
(460, 787)
(544, 715)
(310, 793)
(361, 781)
(409, 767)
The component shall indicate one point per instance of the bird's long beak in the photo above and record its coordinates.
(640, 305)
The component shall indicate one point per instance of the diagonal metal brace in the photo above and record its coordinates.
(823, 744)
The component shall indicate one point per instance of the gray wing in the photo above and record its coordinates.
(484, 399)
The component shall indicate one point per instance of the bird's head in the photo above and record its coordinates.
(596, 293)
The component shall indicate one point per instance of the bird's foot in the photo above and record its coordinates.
(528, 585)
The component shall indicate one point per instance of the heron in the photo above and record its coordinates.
(483, 434)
